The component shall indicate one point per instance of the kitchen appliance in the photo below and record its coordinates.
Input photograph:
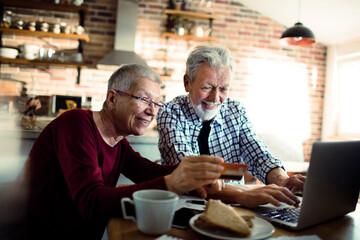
(50, 105)
(124, 44)
(59, 102)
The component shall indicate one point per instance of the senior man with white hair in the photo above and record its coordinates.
(207, 122)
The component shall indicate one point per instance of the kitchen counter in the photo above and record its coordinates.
(10, 127)
(151, 136)
(18, 141)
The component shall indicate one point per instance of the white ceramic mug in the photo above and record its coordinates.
(154, 210)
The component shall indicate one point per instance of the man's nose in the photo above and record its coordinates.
(214, 95)
(151, 109)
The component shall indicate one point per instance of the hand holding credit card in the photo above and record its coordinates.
(233, 171)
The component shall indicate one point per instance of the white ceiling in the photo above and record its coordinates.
(332, 21)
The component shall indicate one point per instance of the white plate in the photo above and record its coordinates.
(262, 229)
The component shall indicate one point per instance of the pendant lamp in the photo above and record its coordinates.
(298, 35)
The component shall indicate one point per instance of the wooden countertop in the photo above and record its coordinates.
(347, 227)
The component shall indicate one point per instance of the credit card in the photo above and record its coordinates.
(233, 171)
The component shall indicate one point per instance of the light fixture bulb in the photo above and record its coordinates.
(298, 35)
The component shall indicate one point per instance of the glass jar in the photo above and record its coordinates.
(56, 28)
(19, 24)
(31, 26)
(179, 28)
(42, 26)
(79, 30)
(7, 19)
(65, 28)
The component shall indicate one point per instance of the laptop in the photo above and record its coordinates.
(331, 188)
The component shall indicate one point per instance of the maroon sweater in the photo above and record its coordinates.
(71, 175)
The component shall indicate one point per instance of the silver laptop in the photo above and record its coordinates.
(331, 188)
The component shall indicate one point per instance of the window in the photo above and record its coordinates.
(349, 96)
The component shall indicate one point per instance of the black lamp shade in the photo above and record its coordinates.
(298, 35)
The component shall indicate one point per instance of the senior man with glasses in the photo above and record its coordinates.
(67, 189)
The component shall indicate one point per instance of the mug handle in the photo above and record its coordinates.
(123, 208)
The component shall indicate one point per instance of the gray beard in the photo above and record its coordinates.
(205, 115)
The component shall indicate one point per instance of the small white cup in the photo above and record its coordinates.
(154, 210)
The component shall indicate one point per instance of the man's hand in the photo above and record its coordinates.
(214, 187)
(268, 194)
(295, 183)
(194, 172)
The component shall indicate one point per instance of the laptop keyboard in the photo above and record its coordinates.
(285, 214)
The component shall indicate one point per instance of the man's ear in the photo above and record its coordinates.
(110, 98)
(187, 83)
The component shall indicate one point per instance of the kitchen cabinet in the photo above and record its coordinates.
(81, 10)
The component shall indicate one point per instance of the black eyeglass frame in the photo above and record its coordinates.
(146, 100)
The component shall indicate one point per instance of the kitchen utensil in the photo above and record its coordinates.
(79, 30)
(31, 26)
(50, 53)
(42, 26)
(19, 24)
(55, 28)
(75, 57)
(7, 19)
(30, 51)
(154, 210)
(198, 31)
(9, 52)
(178, 5)
(77, 2)
(65, 28)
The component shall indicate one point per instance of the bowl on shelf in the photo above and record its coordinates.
(30, 52)
(9, 52)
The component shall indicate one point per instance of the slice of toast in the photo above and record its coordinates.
(221, 215)
(247, 215)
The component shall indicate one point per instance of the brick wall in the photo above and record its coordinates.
(278, 85)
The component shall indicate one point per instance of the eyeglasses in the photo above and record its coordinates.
(146, 102)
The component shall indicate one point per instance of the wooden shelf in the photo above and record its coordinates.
(189, 14)
(165, 77)
(188, 37)
(44, 6)
(47, 6)
(83, 37)
(38, 62)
